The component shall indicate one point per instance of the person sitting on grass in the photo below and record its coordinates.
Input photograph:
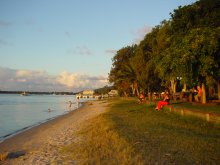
(164, 102)
(141, 97)
(199, 94)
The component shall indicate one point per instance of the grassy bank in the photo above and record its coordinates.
(209, 108)
(130, 133)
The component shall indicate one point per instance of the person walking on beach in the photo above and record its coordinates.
(77, 102)
(70, 105)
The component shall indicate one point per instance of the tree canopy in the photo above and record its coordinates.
(186, 47)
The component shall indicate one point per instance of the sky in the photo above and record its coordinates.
(68, 45)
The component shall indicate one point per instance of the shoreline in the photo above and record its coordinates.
(10, 135)
(35, 144)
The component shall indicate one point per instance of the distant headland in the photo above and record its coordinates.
(40, 93)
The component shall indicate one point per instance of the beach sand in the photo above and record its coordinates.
(42, 144)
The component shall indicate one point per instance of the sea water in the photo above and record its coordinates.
(18, 113)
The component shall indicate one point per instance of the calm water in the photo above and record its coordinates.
(18, 113)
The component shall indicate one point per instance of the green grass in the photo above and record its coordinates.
(200, 107)
(131, 133)
(99, 143)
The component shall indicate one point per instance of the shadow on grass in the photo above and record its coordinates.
(198, 107)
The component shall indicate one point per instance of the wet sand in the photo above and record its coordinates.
(42, 144)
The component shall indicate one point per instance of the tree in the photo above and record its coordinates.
(195, 39)
(185, 47)
(122, 74)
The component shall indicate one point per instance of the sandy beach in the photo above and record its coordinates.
(41, 144)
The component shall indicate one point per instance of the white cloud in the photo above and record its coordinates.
(21, 80)
(40, 81)
(112, 52)
(5, 43)
(23, 73)
(29, 73)
(30, 21)
(80, 50)
(72, 80)
(67, 79)
(67, 34)
(4, 24)
(139, 34)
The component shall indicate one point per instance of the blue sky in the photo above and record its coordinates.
(68, 44)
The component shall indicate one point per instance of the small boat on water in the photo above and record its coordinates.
(24, 94)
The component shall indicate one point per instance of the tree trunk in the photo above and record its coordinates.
(210, 93)
(125, 94)
(133, 89)
(173, 86)
(203, 94)
(136, 88)
(184, 87)
(219, 89)
(149, 95)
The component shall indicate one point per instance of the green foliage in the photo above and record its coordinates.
(186, 46)
(122, 73)
(104, 90)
